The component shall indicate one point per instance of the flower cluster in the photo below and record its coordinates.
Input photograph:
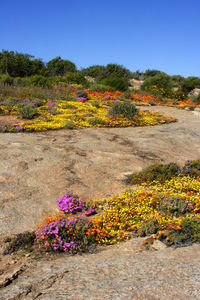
(80, 111)
(70, 203)
(166, 210)
(65, 234)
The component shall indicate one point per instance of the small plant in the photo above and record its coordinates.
(70, 203)
(27, 111)
(96, 121)
(70, 235)
(128, 110)
(175, 205)
(191, 168)
(157, 172)
(82, 94)
(149, 227)
(95, 103)
(70, 125)
(117, 83)
(22, 240)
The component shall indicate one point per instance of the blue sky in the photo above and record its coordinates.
(142, 34)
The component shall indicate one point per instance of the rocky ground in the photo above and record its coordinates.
(37, 168)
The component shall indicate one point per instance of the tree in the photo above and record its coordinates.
(58, 66)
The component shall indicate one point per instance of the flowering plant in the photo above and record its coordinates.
(66, 234)
(70, 203)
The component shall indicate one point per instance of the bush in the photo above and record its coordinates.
(96, 121)
(190, 232)
(27, 111)
(117, 83)
(191, 168)
(157, 172)
(77, 78)
(93, 71)
(6, 79)
(126, 109)
(161, 81)
(70, 235)
(82, 94)
(151, 73)
(100, 88)
(114, 70)
(39, 80)
(22, 240)
(189, 84)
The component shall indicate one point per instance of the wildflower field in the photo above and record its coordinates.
(167, 209)
(74, 107)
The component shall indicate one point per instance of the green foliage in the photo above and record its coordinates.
(161, 81)
(58, 66)
(82, 93)
(163, 172)
(189, 84)
(93, 71)
(149, 227)
(117, 83)
(19, 65)
(190, 232)
(157, 172)
(177, 80)
(39, 80)
(70, 125)
(22, 240)
(128, 110)
(27, 111)
(114, 70)
(100, 88)
(97, 121)
(6, 79)
(77, 78)
(95, 103)
(175, 205)
(151, 73)
(191, 168)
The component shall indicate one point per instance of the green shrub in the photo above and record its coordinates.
(117, 83)
(82, 94)
(114, 70)
(157, 172)
(93, 71)
(22, 240)
(126, 109)
(95, 103)
(191, 168)
(70, 125)
(190, 232)
(149, 227)
(39, 80)
(96, 121)
(100, 88)
(27, 111)
(161, 81)
(189, 84)
(21, 81)
(77, 78)
(6, 79)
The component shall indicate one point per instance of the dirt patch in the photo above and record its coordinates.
(10, 120)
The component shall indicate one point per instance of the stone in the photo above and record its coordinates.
(194, 93)
(90, 162)
(158, 245)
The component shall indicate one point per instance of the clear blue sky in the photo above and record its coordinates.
(142, 34)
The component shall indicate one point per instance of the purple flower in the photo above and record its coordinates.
(51, 103)
(89, 211)
(82, 99)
